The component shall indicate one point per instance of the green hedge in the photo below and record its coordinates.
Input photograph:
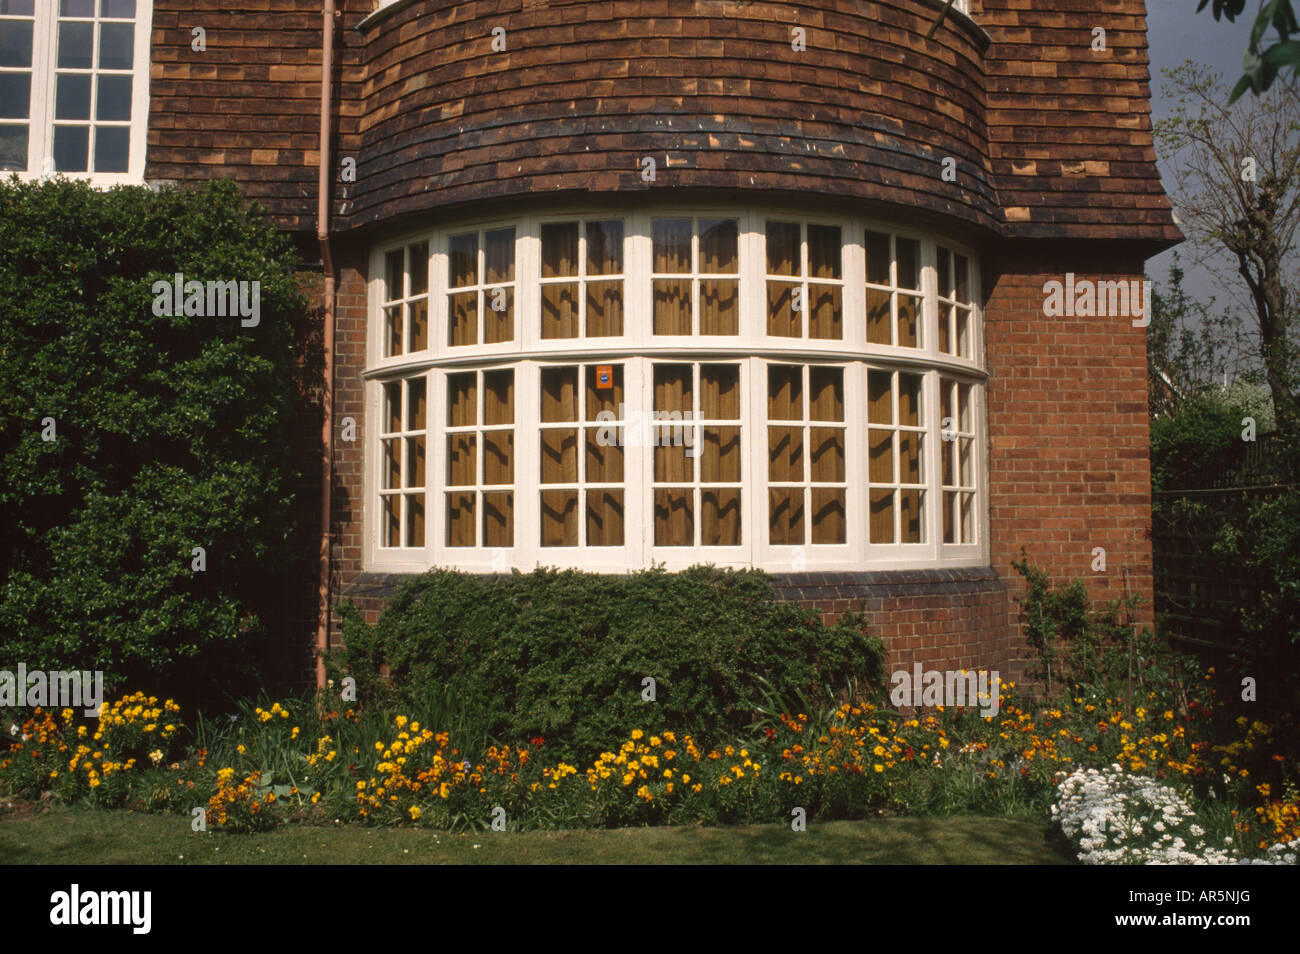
(170, 433)
(564, 654)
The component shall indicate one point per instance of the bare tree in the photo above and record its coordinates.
(1235, 176)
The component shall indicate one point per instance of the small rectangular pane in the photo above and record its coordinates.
(559, 395)
(720, 458)
(785, 454)
(719, 246)
(878, 316)
(418, 312)
(393, 330)
(71, 148)
(112, 144)
(784, 392)
(16, 43)
(673, 389)
(498, 397)
(909, 263)
(462, 400)
(783, 320)
(559, 450)
(967, 518)
(604, 518)
(609, 398)
(560, 310)
(785, 516)
(943, 266)
(672, 246)
(909, 307)
(826, 454)
(560, 250)
(460, 519)
(877, 244)
(499, 256)
(879, 399)
(909, 399)
(674, 518)
(783, 248)
(827, 394)
(76, 8)
(945, 329)
(604, 456)
(672, 306)
(910, 513)
(462, 459)
(499, 315)
(966, 449)
(498, 457)
(415, 449)
(949, 528)
(719, 306)
(393, 289)
(824, 251)
(392, 464)
(13, 148)
(390, 503)
(909, 457)
(392, 407)
(414, 520)
(116, 46)
(720, 517)
(963, 408)
(605, 248)
(117, 9)
(559, 518)
(829, 525)
(880, 456)
(604, 309)
(672, 465)
(75, 43)
(498, 519)
(17, 8)
(720, 392)
(416, 413)
(962, 268)
(881, 521)
(417, 264)
(824, 315)
(963, 331)
(72, 96)
(462, 261)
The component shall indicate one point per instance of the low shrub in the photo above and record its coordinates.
(567, 655)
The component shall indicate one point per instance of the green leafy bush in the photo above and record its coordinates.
(563, 655)
(170, 433)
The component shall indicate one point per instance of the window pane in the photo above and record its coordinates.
(720, 517)
(879, 403)
(674, 518)
(462, 459)
(414, 520)
(878, 316)
(605, 248)
(462, 400)
(17, 8)
(498, 457)
(462, 261)
(392, 407)
(77, 8)
(719, 307)
(608, 398)
(559, 455)
(499, 315)
(719, 246)
(604, 518)
(75, 41)
(418, 312)
(720, 459)
(823, 251)
(460, 519)
(417, 264)
(560, 310)
(498, 519)
(559, 249)
(559, 518)
(113, 99)
(909, 308)
(415, 461)
(672, 306)
(415, 404)
(499, 254)
(784, 392)
(824, 313)
(604, 309)
(16, 43)
(827, 386)
(785, 454)
(909, 263)
(604, 456)
(498, 397)
(785, 516)
(71, 148)
(111, 146)
(393, 275)
(391, 525)
(962, 279)
(882, 516)
(910, 512)
(117, 9)
(881, 456)
(672, 465)
(909, 400)
(672, 246)
(783, 248)
(392, 464)
(15, 95)
(462, 319)
(944, 268)
(559, 394)
(720, 397)
(909, 457)
(826, 455)
(783, 319)
(13, 148)
(115, 45)
(877, 258)
(829, 525)
(72, 96)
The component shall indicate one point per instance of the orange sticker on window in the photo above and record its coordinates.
(604, 376)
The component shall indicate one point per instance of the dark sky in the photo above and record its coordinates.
(1176, 32)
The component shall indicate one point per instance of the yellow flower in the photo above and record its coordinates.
(637, 734)
(415, 812)
(240, 749)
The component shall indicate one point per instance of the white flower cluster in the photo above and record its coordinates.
(1114, 818)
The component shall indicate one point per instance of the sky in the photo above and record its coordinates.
(1176, 32)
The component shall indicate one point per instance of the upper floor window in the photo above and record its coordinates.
(74, 78)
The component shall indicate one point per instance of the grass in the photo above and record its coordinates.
(76, 836)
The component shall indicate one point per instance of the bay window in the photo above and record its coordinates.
(735, 386)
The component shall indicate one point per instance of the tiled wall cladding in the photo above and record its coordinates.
(1050, 138)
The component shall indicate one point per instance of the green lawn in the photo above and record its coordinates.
(82, 836)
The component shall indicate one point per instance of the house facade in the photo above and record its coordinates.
(818, 287)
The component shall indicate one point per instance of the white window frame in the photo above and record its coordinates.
(637, 350)
(40, 120)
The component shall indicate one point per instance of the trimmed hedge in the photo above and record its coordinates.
(170, 433)
(563, 654)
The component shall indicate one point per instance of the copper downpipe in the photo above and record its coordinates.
(327, 389)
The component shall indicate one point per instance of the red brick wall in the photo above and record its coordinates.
(1068, 428)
